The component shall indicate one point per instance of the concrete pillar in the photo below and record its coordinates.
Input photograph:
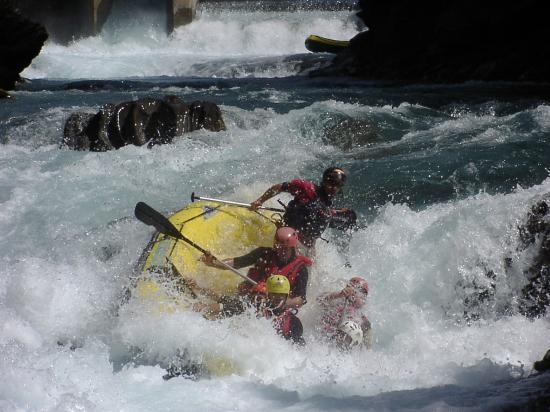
(100, 12)
(180, 13)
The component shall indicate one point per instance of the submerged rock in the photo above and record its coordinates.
(146, 121)
(449, 42)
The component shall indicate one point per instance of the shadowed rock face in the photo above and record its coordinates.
(20, 42)
(145, 121)
(535, 233)
(528, 267)
(441, 41)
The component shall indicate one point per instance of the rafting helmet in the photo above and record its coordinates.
(277, 284)
(353, 330)
(360, 284)
(286, 236)
(334, 175)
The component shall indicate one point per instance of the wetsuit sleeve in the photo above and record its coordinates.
(302, 190)
(250, 258)
(300, 284)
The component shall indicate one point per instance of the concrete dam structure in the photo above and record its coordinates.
(68, 20)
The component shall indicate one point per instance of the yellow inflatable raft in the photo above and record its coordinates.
(223, 230)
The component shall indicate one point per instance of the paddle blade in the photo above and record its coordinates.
(151, 217)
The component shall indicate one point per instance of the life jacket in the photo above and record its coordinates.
(337, 312)
(261, 272)
(310, 212)
(289, 326)
(309, 219)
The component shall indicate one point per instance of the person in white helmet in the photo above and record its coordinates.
(348, 335)
(345, 305)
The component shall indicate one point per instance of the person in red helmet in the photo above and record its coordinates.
(311, 210)
(345, 305)
(283, 258)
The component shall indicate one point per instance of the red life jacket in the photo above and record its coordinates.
(260, 273)
(289, 326)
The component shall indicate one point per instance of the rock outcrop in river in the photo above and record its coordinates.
(527, 270)
(439, 41)
(145, 121)
(20, 41)
(535, 237)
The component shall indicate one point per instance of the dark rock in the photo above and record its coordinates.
(101, 141)
(348, 132)
(20, 41)
(117, 132)
(182, 114)
(435, 41)
(535, 236)
(205, 115)
(544, 364)
(75, 133)
(528, 266)
(145, 121)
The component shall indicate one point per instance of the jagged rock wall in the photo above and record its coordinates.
(20, 41)
(535, 236)
(449, 41)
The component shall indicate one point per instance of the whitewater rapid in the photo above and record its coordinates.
(440, 183)
(220, 43)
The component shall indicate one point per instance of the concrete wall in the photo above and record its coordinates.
(66, 20)
(180, 13)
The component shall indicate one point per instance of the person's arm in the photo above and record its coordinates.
(348, 293)
(297, 296)
(236, 262)
(268, 194)
(337, 295)
(295, 302)
(199, 290)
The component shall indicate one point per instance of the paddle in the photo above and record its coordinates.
(228, 202)
(151, 217)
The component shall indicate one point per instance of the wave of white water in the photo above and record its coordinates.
(139, 48)
(70, 242)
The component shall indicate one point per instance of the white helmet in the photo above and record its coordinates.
(353, 330)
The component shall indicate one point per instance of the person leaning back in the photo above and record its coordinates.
(310, 212)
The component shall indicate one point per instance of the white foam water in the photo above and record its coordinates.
(70, 242)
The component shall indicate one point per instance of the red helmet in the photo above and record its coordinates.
(286, 236)
(360, 283)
